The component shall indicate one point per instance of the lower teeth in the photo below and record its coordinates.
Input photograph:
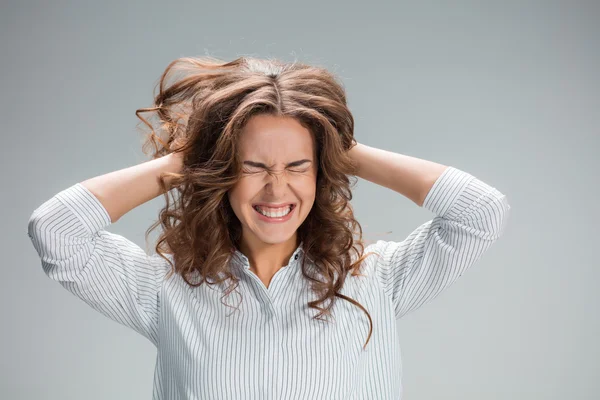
(276, 216)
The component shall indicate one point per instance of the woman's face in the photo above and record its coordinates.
(279, 168)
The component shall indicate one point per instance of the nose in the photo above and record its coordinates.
(276, 183)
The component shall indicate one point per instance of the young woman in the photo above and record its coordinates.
(260, 241)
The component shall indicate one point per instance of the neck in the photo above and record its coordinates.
(268, 258)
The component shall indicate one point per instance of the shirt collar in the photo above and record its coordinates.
(239, 259)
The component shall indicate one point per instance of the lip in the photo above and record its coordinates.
(275, 220)
(273, 205)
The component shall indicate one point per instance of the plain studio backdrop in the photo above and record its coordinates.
(507, 91)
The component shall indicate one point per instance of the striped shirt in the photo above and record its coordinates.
(271, 347)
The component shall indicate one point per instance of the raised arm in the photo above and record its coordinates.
(107, 271)
(122, 190)
(470, 217)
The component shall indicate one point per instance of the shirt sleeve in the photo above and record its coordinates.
(107, 271)
(470, 216)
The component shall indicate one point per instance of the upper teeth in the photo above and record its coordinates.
(274, 212)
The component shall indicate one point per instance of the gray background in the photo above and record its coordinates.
(508, 91)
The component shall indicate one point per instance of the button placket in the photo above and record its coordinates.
(278, 352)
(267, 294)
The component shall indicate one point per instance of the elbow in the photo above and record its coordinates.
(33, 226)
(500, 211)
(504, 214)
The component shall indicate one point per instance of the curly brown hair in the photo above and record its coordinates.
(201, 114)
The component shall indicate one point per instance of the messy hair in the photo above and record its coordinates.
(201, 114)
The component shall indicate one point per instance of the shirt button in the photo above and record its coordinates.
(296, 257)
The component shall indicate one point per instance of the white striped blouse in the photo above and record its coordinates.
(271, 347)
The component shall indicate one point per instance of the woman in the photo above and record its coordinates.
(258, 156)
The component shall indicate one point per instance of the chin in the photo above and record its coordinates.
(274, 237)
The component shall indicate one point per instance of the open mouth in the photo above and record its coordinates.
(281, 213)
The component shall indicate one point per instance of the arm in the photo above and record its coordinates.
(410, 176)
(470, 216)
(122, 190)
(110, 273)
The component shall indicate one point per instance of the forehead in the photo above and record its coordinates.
(273, 138)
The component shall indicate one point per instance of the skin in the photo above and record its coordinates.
(275, 142)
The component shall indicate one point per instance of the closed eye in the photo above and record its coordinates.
(263, 166)
(260, 170)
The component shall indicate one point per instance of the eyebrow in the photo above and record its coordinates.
(261, 165)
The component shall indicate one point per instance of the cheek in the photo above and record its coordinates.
(308, 194)
(237, 198)
(242, 191)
